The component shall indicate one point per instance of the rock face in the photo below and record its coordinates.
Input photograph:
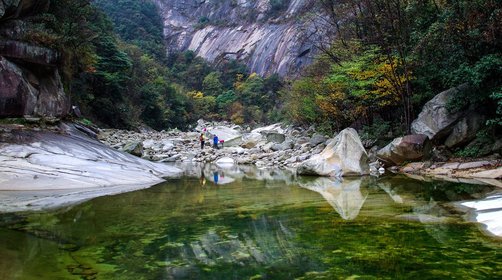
(407, 148)
(31, 93)
(30, 84)
(269, 38)
(343, 156)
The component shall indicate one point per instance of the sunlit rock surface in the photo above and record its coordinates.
(42, 160)
(269, 39)
(343, 156)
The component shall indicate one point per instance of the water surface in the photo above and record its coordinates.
(278, 227)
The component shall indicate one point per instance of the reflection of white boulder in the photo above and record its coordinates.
(387, 187)
(344, 195)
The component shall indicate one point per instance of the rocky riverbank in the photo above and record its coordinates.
(275, 145)
(310, 152)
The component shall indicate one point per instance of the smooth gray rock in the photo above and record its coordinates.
(275, 137)
(407, 148)
(465, 130)
(435, 120)
(134, 148)
(344, 156)
(37, 160)
(317, 139)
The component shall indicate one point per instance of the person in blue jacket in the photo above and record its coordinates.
(215, 141)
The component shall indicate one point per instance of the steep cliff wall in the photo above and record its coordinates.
(30, 84)
(269, 36)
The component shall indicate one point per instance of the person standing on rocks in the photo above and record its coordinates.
(202, 141)
(215, 141)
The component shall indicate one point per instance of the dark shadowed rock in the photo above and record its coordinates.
(408, 148)
(134, 148)
(275, 137)
(28, 53)
(33, 92)
(465, 130)
(18, 8)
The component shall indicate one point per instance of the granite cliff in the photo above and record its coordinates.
(268, 36)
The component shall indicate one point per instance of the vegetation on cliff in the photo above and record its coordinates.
(389, 57)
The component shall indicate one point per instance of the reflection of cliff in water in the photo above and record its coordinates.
(265, 241)
(343, 194)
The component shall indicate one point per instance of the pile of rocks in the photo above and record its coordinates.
(274, 145)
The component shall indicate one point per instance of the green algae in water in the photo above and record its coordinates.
(254, 230)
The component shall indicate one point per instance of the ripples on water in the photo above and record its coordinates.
(243, 223)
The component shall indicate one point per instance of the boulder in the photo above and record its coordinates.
(134, 148)
(465, 130)
(286, 145)
(250, 140)
(435, 120)
(225, 162)
(271, 128)
(231, 136)
(317, 139)
(407, 148)
(275, 137)
(343, 156)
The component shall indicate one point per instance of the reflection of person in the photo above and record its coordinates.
(202, 179)
(215, 177)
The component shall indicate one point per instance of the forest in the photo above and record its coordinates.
(378, 63)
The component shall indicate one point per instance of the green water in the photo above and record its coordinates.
(390, 228)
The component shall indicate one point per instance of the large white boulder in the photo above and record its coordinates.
(343, 156)
(231, 136)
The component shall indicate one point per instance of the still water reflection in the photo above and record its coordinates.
(240, 223)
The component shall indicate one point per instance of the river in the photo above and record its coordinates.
(255, 224)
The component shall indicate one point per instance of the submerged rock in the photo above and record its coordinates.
(343, 156)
